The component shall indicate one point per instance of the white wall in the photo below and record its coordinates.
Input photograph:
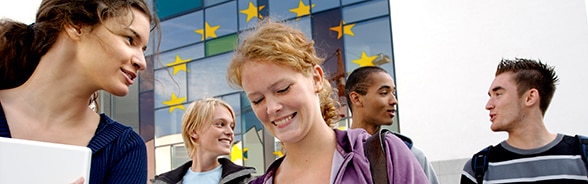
(446, 53)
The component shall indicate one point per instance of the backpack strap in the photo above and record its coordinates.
(376, 154)
(480, 164)
(583, 143)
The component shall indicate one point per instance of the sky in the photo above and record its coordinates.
(20, 10)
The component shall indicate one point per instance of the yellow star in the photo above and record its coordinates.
(175, 103)
(278, 153)
(252, 11)
(365, 60)
(237, 153)
(207, 31)
(343, 29)
(179, 64)
(302, 9)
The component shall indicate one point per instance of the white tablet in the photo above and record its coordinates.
(25, 161)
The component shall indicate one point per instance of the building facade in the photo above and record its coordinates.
(196, 46)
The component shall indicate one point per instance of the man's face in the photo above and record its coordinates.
(379, 103)
(504, 104)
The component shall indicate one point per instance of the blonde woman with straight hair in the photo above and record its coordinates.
(207, 130)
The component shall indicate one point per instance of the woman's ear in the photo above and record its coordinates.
(194, 135)
(74, 32)
(317, 77)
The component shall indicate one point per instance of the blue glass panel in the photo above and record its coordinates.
(146, 117)
(328, 34)
(366, 10)
(167, 123)
(208, 3)
(234, 101)
(170, 87)
(303, 24)
(146, 76)
(169, 8)
(248, 117)
(191, 52)
(179, 31)
(225, 16)
(345, 2)
(321, 5)
(248, 13)
(372, 37)
(207, 77)
(283, 9)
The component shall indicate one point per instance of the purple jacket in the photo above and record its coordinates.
(403, 168)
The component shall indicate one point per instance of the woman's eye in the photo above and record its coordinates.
(130, 39)
(284, 89)
(255, 102)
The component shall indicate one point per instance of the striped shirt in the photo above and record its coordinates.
(557, 162)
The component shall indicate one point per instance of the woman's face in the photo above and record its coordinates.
(216, 139)
(110, 55)
(284, 100)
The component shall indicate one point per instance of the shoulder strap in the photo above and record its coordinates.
(583, 143)
(480, 164)
(376, 154)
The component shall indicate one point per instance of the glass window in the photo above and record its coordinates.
(366, 10)
(170, 87)
(221, 45)
(249, 13)
(146, 76)
(372, 38)
(169, 8)
(168, 122)
(192, 52)
(346, 2)
(207, 77)
(320, 5)
(234, 100)
(180, 31)
(221, 20)
(303, 24)
(179, 155)
(146, 117)
(282, 10)
(208, 3)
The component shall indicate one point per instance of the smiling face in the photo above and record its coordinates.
(284, 100)
(216, 139)
(110, 55)
(505, 105)
(378, 105)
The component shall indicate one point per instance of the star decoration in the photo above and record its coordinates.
(175, 103)
(207, 31)
(252, 11)
(278, 153)
(343, 29)
(365, 60)
(237, 153)
(302, 9)
(179, 64)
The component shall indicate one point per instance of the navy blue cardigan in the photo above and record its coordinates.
(119, 154)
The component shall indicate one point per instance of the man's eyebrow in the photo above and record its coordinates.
(494, 89)
(386, 87)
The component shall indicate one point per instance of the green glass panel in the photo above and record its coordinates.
(221, 45)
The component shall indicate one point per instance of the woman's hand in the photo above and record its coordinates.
(79, 181)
